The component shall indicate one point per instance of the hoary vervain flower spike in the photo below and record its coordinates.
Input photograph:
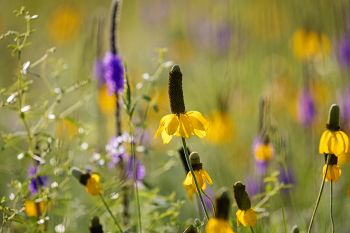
(246, 216)
(181, 123)
(92, 185)
(333, 143)
(220, 223)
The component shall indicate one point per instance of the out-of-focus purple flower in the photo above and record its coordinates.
(155, 12)
(345, 107)
(344, 51)
(286, 176)
(261, 167)
(210, 193)
(140, 169)
(99, 71)
(254, 186)
(36, 183)
(224, 37)
(306, 108)
(116, 150)
(113, 72)
(32, 170)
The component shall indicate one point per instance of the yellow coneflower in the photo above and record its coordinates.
(201, 175)
(90, 181)
(220, 223)
(246, 216)
(106, 102)
(180, 123)
(263, 149)
(221, 128)
(333, 140)
(34, 208)
(64, 23)
(308, 44)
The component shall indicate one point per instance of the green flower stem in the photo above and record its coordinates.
(331, 205)
(319, 197)
(199, 193)
(251, 229)
(110, 213)
(133, 154)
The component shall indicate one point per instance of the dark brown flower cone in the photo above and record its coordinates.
(241, 196)
(223, 205)
(191, 229)
(95, 226)
(176, 97)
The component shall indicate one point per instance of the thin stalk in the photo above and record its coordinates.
(211, 202)
(110, 213)
(319, 197)
(199, 193)
(133, 154)
(251, 229)
(331, 205)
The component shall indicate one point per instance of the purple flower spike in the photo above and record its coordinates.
(36, 183)
(306, 108)
(32, 170)
(344, 51)
(113, 73)
(254, 186)
(287, 176)
(261, 167)
(140, 169)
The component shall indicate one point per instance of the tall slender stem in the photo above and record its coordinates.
(199, 193)
(331, 205)
(133, 154)
(110, 213)
(319, 197)
(251, 229)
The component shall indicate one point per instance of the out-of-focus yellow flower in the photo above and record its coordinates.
(202, 178)
(66, 128)
(216, 225)
(64, 24)
(308, 44)
(183, 125)
(34, 209)
(246, 218)
(334, 142)
(263, 151)
(106, 102)
(221, 128)
(93, 185)
(343, 158)
(333, 172)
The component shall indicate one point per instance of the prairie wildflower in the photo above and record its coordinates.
(344, 50)
(202, 176)
(333, 171)
(333, 140)
(308, 44)
(221, 128)
(220, 222)
(180, 123)
(90, 181)
(113, 73)
(246, 216)
(34, 208)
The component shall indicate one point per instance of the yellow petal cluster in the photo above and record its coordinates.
(66, 129)
(216, 225)
(93, 185)
(221, 128)
(246, 218)
(106, 102)
(202, 177)
(308, 44)
(263, 151)
(333, 172)
(334, 142)
(182, 125)
(34, 209)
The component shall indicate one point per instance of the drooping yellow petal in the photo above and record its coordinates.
(216, 225)
(324, 141)
(173, 125)
(246, 218)
(185, 129)
(163, 122)
(166, 138)
(206, 176)
(333, 173)
(93, 185)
